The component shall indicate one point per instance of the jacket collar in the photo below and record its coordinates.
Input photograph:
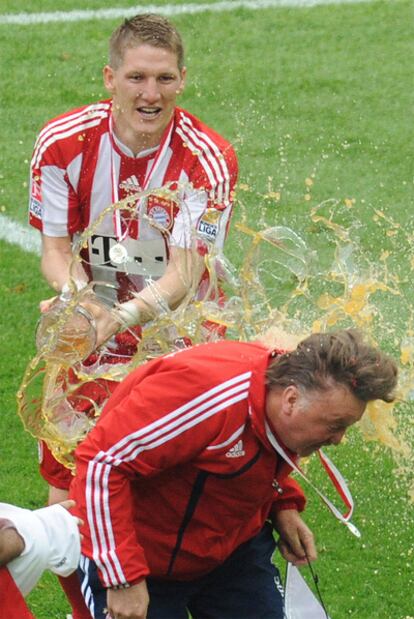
(257, 401)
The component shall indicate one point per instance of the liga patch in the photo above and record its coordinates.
(208, 229)
(209, 224)
(36, 206)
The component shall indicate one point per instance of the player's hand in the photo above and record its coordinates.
(46, 304)
(74, 331)
(296, 542)
(105, 322)
(68, 504)
(130, 603)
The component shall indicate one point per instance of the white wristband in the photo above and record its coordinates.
(128, 313)
(67, 287)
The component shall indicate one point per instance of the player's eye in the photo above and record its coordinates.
(166, 79)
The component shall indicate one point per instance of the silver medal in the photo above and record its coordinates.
(118, 254)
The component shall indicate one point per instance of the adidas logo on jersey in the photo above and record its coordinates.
(131, 184)
(236, 451)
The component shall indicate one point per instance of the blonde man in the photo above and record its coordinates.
(94, 156)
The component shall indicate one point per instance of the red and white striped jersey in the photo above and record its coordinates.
(79, 168)
(178, 472)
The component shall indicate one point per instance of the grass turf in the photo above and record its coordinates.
(323, 93)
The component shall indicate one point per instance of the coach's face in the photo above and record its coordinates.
(144, 90)
(307, 422)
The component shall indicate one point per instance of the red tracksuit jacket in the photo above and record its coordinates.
(178, 471)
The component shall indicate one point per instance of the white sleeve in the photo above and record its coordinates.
(50, 193)
(30, 565)
(195, 219)
(55, 199)
(51, 539)
(63, 539)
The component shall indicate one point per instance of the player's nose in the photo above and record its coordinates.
(151, 92)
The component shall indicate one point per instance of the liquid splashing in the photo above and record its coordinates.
(288, 284)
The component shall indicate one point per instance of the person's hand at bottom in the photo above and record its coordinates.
(129, 603)
(296, 543)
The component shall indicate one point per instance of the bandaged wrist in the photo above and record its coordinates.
(154, 299)
(128, 313)
(67, 288)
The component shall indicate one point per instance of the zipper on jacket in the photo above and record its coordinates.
(195, 497)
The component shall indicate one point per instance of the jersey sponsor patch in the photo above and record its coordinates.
(146, 257)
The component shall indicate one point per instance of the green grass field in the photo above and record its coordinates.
(323, 93)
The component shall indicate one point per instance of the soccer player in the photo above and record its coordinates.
(96, 155)
(186, 473)
(31, 542)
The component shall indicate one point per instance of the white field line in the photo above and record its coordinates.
(26, 19)
(26, 238)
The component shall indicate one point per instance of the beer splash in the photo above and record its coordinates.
(286, 285)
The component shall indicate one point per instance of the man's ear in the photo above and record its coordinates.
(183, 77)
(108, 79)
(289, 400)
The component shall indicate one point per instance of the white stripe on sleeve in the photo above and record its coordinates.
(157, 433)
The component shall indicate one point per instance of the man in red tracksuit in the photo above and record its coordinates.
(179, 485)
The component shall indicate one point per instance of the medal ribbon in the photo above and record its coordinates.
(165, 142)
(335, 476)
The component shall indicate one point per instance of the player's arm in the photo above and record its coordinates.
(183, 271)
(296, 541)
(56, 267)
(182, 274)
(11, 543)
(56, 262)
(52, 197)
(131, 602)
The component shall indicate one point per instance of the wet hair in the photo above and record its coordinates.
(146, 29)
(325, 360)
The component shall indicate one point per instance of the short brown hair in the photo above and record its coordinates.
(341, 357)
(147, 29)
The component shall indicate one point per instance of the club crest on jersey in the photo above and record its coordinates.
(209, 223)
(161, 211)
(36, 207)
